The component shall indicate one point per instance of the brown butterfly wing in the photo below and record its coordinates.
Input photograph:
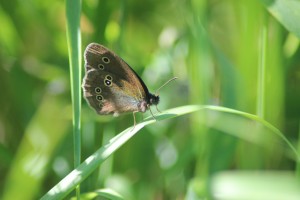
(110, 86)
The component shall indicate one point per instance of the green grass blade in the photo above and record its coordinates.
(286, 12)
(260, 120)
(73, 11)
(105, 192)
(298, 161)
(261, 73)
(66, 185)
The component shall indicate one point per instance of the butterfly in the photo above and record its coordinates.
(111, 86)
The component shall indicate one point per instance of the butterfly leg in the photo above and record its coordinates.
(134, 121)
(152, 113)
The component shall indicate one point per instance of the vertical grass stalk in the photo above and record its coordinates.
(260, 106)
(298, 157)
(73, 10)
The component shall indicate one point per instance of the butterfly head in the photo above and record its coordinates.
(153, 99)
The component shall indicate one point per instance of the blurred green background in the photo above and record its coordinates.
(238, 54)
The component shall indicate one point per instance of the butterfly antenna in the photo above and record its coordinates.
(172, 79)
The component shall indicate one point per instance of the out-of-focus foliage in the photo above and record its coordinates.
(225, 52)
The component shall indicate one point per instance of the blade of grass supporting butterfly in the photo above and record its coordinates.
(65, 186)
(73, 10)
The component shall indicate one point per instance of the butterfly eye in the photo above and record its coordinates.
(101, 67)
(108, 77)
(106, 60)
(98, 90)
(107, 82)
(99, 97)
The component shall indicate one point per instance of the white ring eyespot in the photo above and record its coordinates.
(108, 77)
(106, 60)
(99, 97)
(98, 90)
(101, 66)
(107, 82)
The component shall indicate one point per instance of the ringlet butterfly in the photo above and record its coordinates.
(111, 86)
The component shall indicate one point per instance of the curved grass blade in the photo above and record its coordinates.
(105, 192)
(286, 12)
(66, 185)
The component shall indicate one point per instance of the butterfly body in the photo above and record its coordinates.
(110, 86)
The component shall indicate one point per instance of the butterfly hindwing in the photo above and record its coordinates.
(110, 85)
